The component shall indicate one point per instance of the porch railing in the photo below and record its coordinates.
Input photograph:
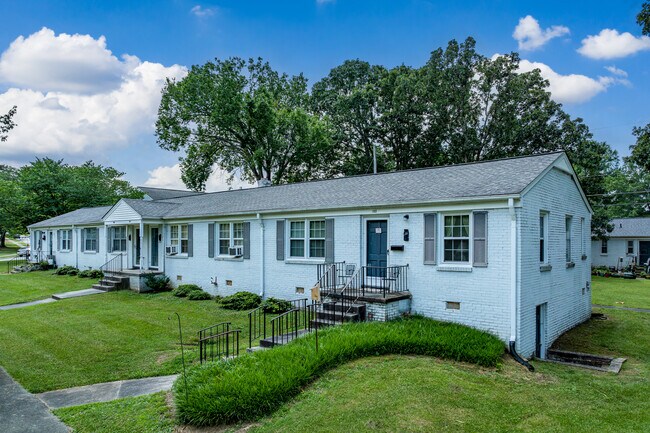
(218, 342)
(259, 320)
(113, 266)
(332, 276)
(287, 326)
(16, 261)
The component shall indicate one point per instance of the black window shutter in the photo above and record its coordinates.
(109, 239)
(430, 239)
(480, 239)
(247, 240)
(279, 240)
(211, 240)
(83, 240)
(58, 240)
(190, 240)
(329, 240)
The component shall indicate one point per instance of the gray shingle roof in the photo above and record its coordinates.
(86, 215)
(165, 193)
(482, 179)
(489, 178)
(630, 228)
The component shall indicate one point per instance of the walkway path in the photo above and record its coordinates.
(108, 391)
(54, 298)
(22, 412)
(612, 307)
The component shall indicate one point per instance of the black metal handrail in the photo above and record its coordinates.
(288, 325)
(219, 346)
(332, 276)
(113, 266)
(259, 320)
(16, 261)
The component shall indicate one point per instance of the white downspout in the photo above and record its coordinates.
(76, 247)
(259, 218)
(141, 243)
(513, 270)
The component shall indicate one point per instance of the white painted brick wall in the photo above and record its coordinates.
(562, 287)
(616, 248)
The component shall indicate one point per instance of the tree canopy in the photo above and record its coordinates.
(6, 123)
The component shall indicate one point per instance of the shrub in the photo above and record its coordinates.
(256, 384)
(66, 270)
(91, 273)
(198, 295)
(157, 283)
(276, 306)
(241, 301)
(184, 289)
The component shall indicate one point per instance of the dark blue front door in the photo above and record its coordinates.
(376, 247)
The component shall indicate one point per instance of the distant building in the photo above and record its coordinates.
(628, 243)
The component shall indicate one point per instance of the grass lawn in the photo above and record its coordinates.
(101, 338)
(11, 248)
(30, 286)
(421, 394)
(621, 292)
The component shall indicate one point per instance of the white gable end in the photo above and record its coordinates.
(121, 213)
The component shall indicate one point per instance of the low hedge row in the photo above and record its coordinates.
(254, 385)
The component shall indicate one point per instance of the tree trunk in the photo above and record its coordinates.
(3, 236)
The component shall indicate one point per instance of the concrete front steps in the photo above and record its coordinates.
(111, 283)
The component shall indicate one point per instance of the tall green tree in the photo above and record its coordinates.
(643, 18)
(243, 116)
(640, 154)
(6, 123)
(12, 203)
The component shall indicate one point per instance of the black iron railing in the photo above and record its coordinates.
(113, 266)
(291, 324)
(16, 261)
(332, 276)
(218, 342)
(259, 321)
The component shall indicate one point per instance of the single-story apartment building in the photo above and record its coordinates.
(627, 244)
(498, 245)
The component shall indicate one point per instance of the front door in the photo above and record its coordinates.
(136, 248)
(154, 247)
(540, 331)
(377, 248)
(644, 252)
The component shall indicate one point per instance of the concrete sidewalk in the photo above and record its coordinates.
(108, 391)
(613, 307)
(54, 298)
(22, 412)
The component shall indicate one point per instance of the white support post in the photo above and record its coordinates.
(141, 244)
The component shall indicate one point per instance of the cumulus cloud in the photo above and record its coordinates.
(202, 12)
(610, 44)
(170, 177)
(113, 103)
(616, 71)
(530, 35)
(571, 88)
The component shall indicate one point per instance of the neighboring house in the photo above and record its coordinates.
(627, 244)
(498, 245)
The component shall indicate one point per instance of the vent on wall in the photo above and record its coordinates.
(452, 305)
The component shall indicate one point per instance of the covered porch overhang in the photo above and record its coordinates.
(139, 242)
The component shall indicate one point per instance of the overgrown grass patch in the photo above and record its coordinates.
(255, 385)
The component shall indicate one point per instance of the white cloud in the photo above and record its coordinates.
(610, 44)
(616, 71)
(113, 103)
(571, 88)
(170, 177)
(202, 12)
(530, 35)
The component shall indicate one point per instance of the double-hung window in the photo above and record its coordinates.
(118, 238)
(568, 221)
(231, 235)
(603, 246)
(456, 238)
(543, 235)
(90, 239)
(66, 240)
(630, 247)
(178, 237)
(307, 239)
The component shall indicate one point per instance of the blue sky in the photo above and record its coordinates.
(79, 98)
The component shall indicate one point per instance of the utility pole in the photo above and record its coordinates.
(374, 157)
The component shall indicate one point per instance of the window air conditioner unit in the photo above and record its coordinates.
(236, 251)
(171, 250)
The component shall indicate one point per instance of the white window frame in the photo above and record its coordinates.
(604, 245)
(568, 228)
(179, 239)
(121, 240)
(232, 240)
(66, 240)
(630, 243)
(468, 238)
(87, 230)
(306, 239)
(543, 237)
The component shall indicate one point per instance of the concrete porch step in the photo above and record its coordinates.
(282, 339)
(338, 316)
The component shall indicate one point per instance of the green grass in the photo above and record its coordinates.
(254, 385)
(11, 248)
(101, 338)
(621, 292)
(146, 414)
(30, 286)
